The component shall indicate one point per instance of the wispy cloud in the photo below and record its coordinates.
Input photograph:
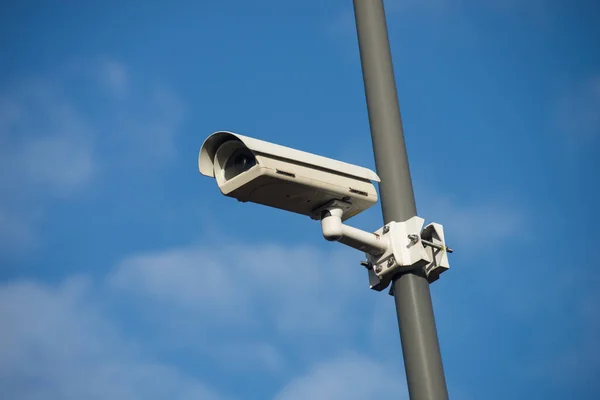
(56, 344)
(303, 310)
(63, 337)
(45, 153)
(298, 289)
(306, 307)
(191, 278)
(257, 356)
(348, 378)
(45, 139)
(54, 140)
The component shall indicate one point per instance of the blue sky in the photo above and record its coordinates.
(124, 274)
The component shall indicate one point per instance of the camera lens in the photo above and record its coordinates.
(243, 163)
(239, 162)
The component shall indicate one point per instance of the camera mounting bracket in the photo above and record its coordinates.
(394, 248)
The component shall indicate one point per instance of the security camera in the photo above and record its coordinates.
(328, 190)
(253, 170)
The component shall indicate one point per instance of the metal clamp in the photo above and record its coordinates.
(395, 247)
(409, 246)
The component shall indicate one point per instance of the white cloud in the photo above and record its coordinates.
(347, 378)
(45, 152)
(56, 344)
(58, 341)
(299, 289)
(184, 277)
(58, 133)
(255, 355)
(60, 162)
(45, 140)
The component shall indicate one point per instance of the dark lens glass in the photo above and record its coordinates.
(243, 163)
(239, 163)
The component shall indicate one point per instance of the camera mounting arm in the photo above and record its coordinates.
(395, 246)
(335, 230)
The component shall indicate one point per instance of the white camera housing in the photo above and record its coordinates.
(265, 173)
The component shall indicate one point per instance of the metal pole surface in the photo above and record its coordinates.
(418, 334)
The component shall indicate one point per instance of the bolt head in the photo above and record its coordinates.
(378, 268)
(366, 264)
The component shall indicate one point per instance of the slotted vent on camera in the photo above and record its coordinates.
(361, 192)
(290, 174)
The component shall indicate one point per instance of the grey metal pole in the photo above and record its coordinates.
(418, 334)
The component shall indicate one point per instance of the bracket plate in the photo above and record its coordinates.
(403, 252)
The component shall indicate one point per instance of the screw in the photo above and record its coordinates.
(437, 246)
(390, 261)
(413, 238)
(378, 268)
(386, 229)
